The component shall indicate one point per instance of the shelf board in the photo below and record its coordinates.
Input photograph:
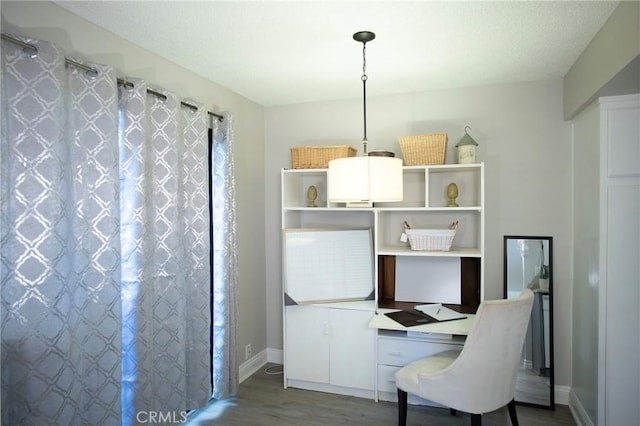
(406, 251)
(329, 209)
(385, 209)
(443, 167)
(323, 170)
(429, 209)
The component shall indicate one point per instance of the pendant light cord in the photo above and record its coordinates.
(364, 94)
(363, 37)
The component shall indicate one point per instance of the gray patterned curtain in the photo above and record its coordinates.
(60, 254)
(165, 255)
(105, 247)
(225, 268)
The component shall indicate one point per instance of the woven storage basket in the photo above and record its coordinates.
(424, 149)
(318, 157)
(430, 239)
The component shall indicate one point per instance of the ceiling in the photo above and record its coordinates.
(281, 52)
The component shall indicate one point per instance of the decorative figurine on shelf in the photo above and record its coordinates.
(466, 148)
(312, 196)
(452, 194)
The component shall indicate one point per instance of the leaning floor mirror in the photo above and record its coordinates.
(528, 263)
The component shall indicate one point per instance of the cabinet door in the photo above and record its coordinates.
(352, 355)
(307, 343)
(622, 329)
(619, 271)
(402, 351)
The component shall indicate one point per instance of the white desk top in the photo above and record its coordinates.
(457, 327)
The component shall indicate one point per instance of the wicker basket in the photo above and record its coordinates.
(318, 157)
(430, 239)
(424, 149)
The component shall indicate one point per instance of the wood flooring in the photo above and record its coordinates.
(263, 401)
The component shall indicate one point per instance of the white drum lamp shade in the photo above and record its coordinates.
(364, 179)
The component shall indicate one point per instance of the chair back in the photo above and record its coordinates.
(487, 366)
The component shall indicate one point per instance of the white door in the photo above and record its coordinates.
(352, 355)
(621, 245)
(307, 343)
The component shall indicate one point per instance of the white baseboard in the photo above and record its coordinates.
(275, 356)
(577, 410)
(561, 394)
(252, 365)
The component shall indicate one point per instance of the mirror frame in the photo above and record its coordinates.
(551, 405)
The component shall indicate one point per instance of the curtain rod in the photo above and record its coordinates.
(94, 72)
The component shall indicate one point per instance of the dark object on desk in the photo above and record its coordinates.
(411, 318)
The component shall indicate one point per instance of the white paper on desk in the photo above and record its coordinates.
(439, 312)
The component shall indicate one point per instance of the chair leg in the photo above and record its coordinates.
(512, 412)
(402, 408)
(476, 420)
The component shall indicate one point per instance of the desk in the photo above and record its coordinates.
(397, 345)
(457, 327)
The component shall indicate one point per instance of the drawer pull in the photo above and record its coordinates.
(395, 353)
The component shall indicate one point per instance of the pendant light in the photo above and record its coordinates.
(373, 177)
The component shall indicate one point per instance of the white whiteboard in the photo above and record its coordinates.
(436, 279)
(322, 265)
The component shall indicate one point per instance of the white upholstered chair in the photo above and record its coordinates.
(481, 378)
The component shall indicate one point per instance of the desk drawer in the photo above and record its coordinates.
(387, 389)
(400, 352)
(387, 378)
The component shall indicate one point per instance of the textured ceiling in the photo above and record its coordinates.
(278, 52)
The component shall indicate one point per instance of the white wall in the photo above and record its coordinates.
(81, 39)
(524, 142)
(612, 49)
(586, 229)
(605, 268)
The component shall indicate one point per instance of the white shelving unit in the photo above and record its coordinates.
(424, 206)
